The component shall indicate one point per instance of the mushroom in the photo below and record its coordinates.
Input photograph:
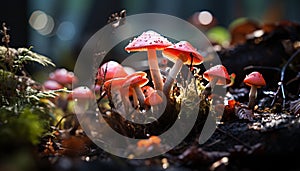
(147, 90)
(216, 75)
(153, 100)
(136, 82)
(110, 70)
(255, 80)
(150, 41)
(180, 53)
(115, 86)
(81, 96)
(52, 85)
(63, 76)
(131, 91)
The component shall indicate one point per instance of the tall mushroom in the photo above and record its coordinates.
(255, 80)
(150, 41)
(216, 75)
(180, 53)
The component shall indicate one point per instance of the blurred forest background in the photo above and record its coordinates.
(60, 28)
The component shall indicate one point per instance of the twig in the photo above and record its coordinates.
(6, 37)
(280, 83)
(262, 67)
(59, 122)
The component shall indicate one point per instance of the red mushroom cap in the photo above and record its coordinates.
(137, 80)
(217, 71)
(147, 40)
(147, 90)
(255, 78)
(185, 51)
(52, 85)
(82, 92)
(113, 70)
(153, 99)
(114, 84)
(63, 76)
(139, 73)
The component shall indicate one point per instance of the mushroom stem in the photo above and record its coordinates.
(154, 110)
(125, 100)
(209, 87)
(140, 95)
(154, 70)
(252, 96)
(212, 83)
(118, 102)
(135, 100)
(81, 105)
(172, 76)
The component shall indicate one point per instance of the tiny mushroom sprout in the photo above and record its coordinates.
(82, 96)
(180, 53)
(255, 80)
(216, 75)
(150, 41)
(136, 81)
(110, 70)
(147, 90)
(153, 100)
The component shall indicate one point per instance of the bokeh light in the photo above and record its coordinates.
(66, 30)
(41, 22)
(38, 20)
(205, 17)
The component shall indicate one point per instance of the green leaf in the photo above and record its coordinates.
(27, 55)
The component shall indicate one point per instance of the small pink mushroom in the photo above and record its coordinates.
(110, 70)
(63, 76)
(82, 96)
(52, 85)
(180, 53)
(255, 80)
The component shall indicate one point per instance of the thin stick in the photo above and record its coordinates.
(262, 67)
(280, 83)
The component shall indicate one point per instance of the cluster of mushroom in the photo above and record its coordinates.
(180, 53)
(59, 79)
(120, 86)
(117, 83)
(115, 79)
